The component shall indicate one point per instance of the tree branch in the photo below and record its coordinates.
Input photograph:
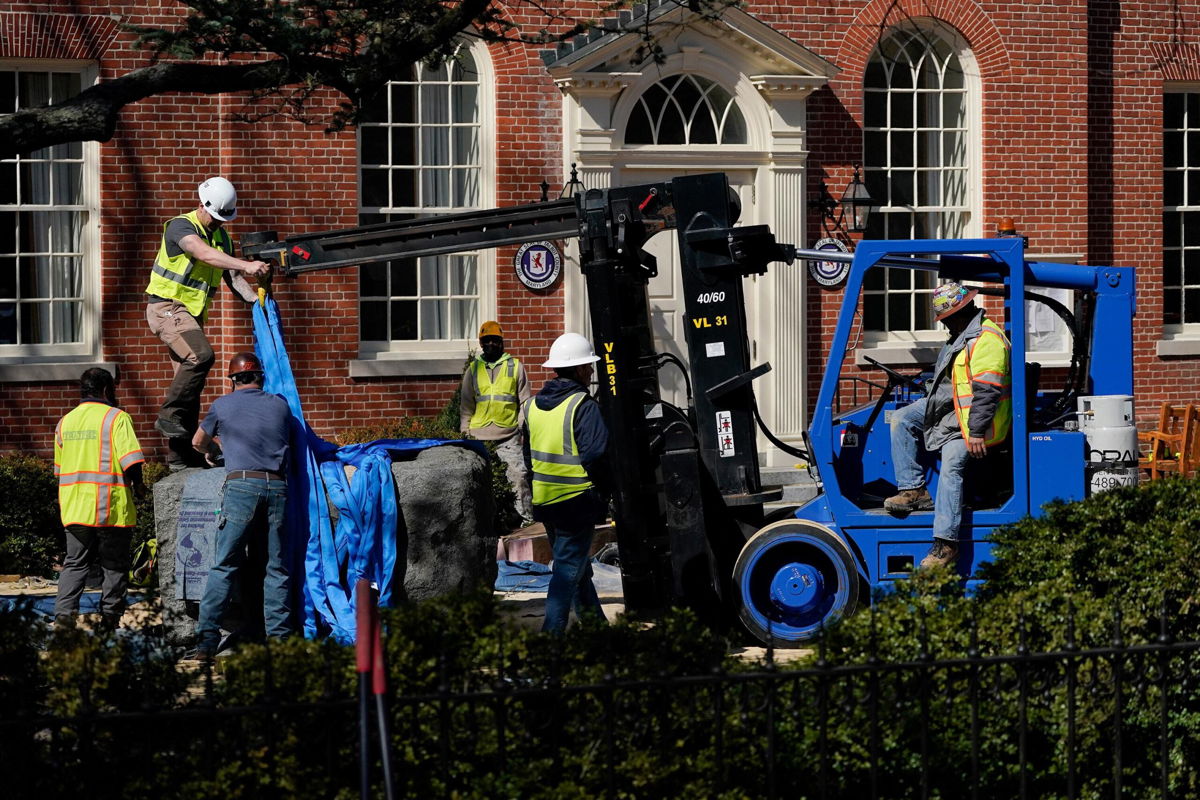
(92, 114)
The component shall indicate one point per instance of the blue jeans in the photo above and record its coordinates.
(571, 576)
(908, 432)
(242, 497)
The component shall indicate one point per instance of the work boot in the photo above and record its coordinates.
(172, 429)
(944, 553)
(909, 500)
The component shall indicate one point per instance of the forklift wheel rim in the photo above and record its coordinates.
(773, 606)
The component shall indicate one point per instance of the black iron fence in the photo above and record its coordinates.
(1117, 720)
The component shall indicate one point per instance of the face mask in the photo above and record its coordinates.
(492, 350)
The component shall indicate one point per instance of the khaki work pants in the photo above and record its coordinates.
(192, 357)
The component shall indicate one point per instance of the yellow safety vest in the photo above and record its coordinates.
(496, 401)
(93, 446)
(558, 472)
(985, 360)
(180, 278)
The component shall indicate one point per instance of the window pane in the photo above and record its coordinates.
(902, 110)
(404, 278)
(1173, 106)
(404, 188)
(375, 188)
(435, 146)
(873, 319)
(463, 319)
(373, 322)
(404, 320)
(372, 280)
(465, 99)
(638, 131)
(68, 322)
(466, 147)
(434, 319)
(8, 323)
(404, 103)
(373, 145)
(463, 275)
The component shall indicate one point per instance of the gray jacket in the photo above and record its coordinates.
(941, 420)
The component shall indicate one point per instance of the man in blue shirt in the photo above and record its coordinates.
(252, 429)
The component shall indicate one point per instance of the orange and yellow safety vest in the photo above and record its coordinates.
(94, 445)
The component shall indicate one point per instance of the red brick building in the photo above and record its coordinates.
(1081, 121)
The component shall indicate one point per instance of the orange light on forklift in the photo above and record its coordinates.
(1006, 227)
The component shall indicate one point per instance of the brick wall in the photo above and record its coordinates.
(1070, 148)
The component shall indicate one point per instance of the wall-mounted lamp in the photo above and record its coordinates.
(855, 206)
(570, 188)
(573, 186)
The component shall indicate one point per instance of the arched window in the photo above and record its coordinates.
(916, 164)
(686, 109)
(420, 154)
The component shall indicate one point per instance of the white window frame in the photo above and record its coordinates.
(896, 346)
(443, 356)
(670, 84)
(1182, 338)
(88, 346)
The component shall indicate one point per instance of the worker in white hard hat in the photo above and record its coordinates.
(194, 254)
(968, 409)
(491, 407)
(565, 447)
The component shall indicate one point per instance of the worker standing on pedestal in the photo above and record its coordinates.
(491, 407)
(566, 449)
(98, 462)
(194, 254)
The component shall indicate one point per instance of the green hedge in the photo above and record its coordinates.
(482, 708)
(31, 532)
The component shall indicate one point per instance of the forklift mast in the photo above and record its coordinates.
(687, 492)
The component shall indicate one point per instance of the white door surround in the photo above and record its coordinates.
(770, 77)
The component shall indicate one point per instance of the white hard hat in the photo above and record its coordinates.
(570, 350)
(219, 198)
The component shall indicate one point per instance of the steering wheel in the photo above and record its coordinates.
(893, 374)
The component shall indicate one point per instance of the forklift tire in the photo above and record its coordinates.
(795, 578)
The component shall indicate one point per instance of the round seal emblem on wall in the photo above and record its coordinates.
(538, 264)
(829, 273)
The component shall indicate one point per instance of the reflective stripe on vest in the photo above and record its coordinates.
(93, 445)
(495, 401)
(180, 278)
(986, 360)
(558, 472)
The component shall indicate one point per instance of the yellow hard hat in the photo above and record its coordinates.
(490, 328)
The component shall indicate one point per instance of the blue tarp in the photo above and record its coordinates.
(43, 604)
(532, 576)
(364, 543)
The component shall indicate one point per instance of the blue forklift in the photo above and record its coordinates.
(693, 520)
(799, 574)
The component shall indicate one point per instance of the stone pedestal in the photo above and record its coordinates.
(445, 541)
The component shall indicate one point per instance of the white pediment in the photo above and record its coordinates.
(773, 61)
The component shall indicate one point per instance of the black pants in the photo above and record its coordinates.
(85, 545)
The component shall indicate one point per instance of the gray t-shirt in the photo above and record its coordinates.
(253, 427)
(176, 230)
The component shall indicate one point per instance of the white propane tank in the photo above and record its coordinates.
(1112, 442)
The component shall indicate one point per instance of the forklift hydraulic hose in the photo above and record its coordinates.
(1075, 373)
(784, 446)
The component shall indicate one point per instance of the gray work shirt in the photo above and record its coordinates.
(254, 429)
